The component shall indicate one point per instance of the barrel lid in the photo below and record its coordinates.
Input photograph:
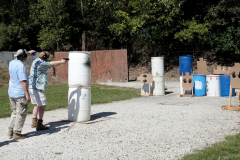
(80, 52)
(157, 57)
(187, 56)
(213, 75)
(199, 75)
(225, 75)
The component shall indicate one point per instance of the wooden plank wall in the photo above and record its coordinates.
(106, 66)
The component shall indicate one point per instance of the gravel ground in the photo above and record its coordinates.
(155, 127)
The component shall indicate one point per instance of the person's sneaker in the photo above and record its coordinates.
(10, 134)
(17, 136)
(40, 126)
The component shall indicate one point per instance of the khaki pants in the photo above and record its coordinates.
(19, 113)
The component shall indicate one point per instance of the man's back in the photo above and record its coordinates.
(17, 73)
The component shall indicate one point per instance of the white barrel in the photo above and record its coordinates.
(181, 88)
(157, 64)
(79, 69)
(213, 85)
(79, 104)
(158, 86)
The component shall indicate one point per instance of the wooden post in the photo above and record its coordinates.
(238, 101)
(238, 94)
(149, 88)
(230, 96)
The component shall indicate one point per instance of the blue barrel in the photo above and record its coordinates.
(199, 85)
(185, 65)
(225, 86)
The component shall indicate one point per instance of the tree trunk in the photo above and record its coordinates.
(129, 54)
(83, 35)
(58, 46)
(83, 42)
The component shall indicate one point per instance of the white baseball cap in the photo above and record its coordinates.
(21, 52)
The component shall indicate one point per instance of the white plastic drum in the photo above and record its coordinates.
(213, 85)
(157, 64)
(181, 89)
(79, 69)
(158, 86)
(79, 104)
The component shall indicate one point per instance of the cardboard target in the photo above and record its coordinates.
(145, 78)
(235, 76)
(202, 66)
(187, 82)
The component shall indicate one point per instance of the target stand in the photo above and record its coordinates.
(229, 107)
(145, 79)
(187, 84)
(234, 83)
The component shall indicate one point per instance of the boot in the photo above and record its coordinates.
(40, 126)
(17, 136)
(34, 123)
(10, 134)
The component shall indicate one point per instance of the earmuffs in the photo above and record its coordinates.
(45, 56)
(24, 55)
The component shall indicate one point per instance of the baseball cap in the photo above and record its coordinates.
(21, 52)
(41, 55)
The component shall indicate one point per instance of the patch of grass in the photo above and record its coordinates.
(57, 96)
(4, 78)
(228, 149)
(5, 110)
(107, 94)
(58, 153)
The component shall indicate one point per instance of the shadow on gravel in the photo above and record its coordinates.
(101, 114)
(53, 128)
(168, 92)
(7, 142)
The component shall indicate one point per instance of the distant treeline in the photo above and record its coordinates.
(145, 28)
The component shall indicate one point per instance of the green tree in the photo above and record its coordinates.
(224, 30)
(16, 28)
(147, 25)
(53, 17)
